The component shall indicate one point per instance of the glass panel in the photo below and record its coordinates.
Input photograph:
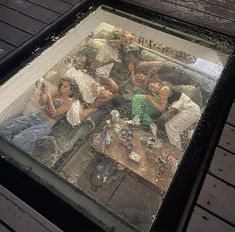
(113, 111)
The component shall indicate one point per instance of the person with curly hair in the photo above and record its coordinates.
(25, 131)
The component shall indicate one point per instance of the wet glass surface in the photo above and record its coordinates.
(115, 114)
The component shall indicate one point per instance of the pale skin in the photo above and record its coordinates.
(141, 80)
(163, 92)
(66, 102)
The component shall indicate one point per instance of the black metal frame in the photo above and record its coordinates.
(185, 187)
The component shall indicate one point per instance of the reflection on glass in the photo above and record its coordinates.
(114, 118)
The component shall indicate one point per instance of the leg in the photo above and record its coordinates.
(12, 127)
(103, 96)
(27, 139)
(109, 84)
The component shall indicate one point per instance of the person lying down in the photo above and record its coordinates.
(25, 131)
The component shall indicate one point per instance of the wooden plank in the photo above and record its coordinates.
(218, 24)
(218, 197)
(32, 10)
(204, 221)
(231, 116)
(9, 34)
(73, 2)
(206, 7)
(3, 228)
(222, 165)
(5, 49)
(223, 4)
(21, 217)
(227, 138)
(20, 21)
(53, 5)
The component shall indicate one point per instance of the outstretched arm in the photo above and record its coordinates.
(151, 64)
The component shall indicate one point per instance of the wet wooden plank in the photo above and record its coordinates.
(223, 4)
(5, 49)
(3, 228)
(73, 2)
(20, 21)
(21, 217)
(9, 34)
(53, 5)
(227, 138)
(207, 8)
(218, 197)
(204, 221)
(32, 10)
(222, 165)
(231, 116)
(196, 17)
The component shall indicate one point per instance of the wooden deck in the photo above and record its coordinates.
(214, 210)
(15, 215)
(216, 15)
(24, 22)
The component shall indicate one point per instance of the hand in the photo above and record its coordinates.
(42, 86)
(46, 91)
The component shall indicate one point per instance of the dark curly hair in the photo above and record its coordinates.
(75, 92)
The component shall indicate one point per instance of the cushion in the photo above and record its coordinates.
(73, 114)
(52, 80)
(193, 92)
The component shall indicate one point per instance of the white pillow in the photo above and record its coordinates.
(33, 105)
(73, 114)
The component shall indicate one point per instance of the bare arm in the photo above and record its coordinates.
(54, 112)
(160, 105)
(151, 64)
(84, 113)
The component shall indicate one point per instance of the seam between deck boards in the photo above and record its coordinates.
(49, 8)
(198, 10)
(220, 179)
(27, 15)
(6, 225)
(225, 149)
(215, 215)
(17, 28)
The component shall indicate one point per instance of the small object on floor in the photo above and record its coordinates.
(134, 156)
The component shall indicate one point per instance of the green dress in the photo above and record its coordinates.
(143, 109)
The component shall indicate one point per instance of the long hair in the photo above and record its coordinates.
(75, 92)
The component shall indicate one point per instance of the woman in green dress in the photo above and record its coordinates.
(147, 106)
